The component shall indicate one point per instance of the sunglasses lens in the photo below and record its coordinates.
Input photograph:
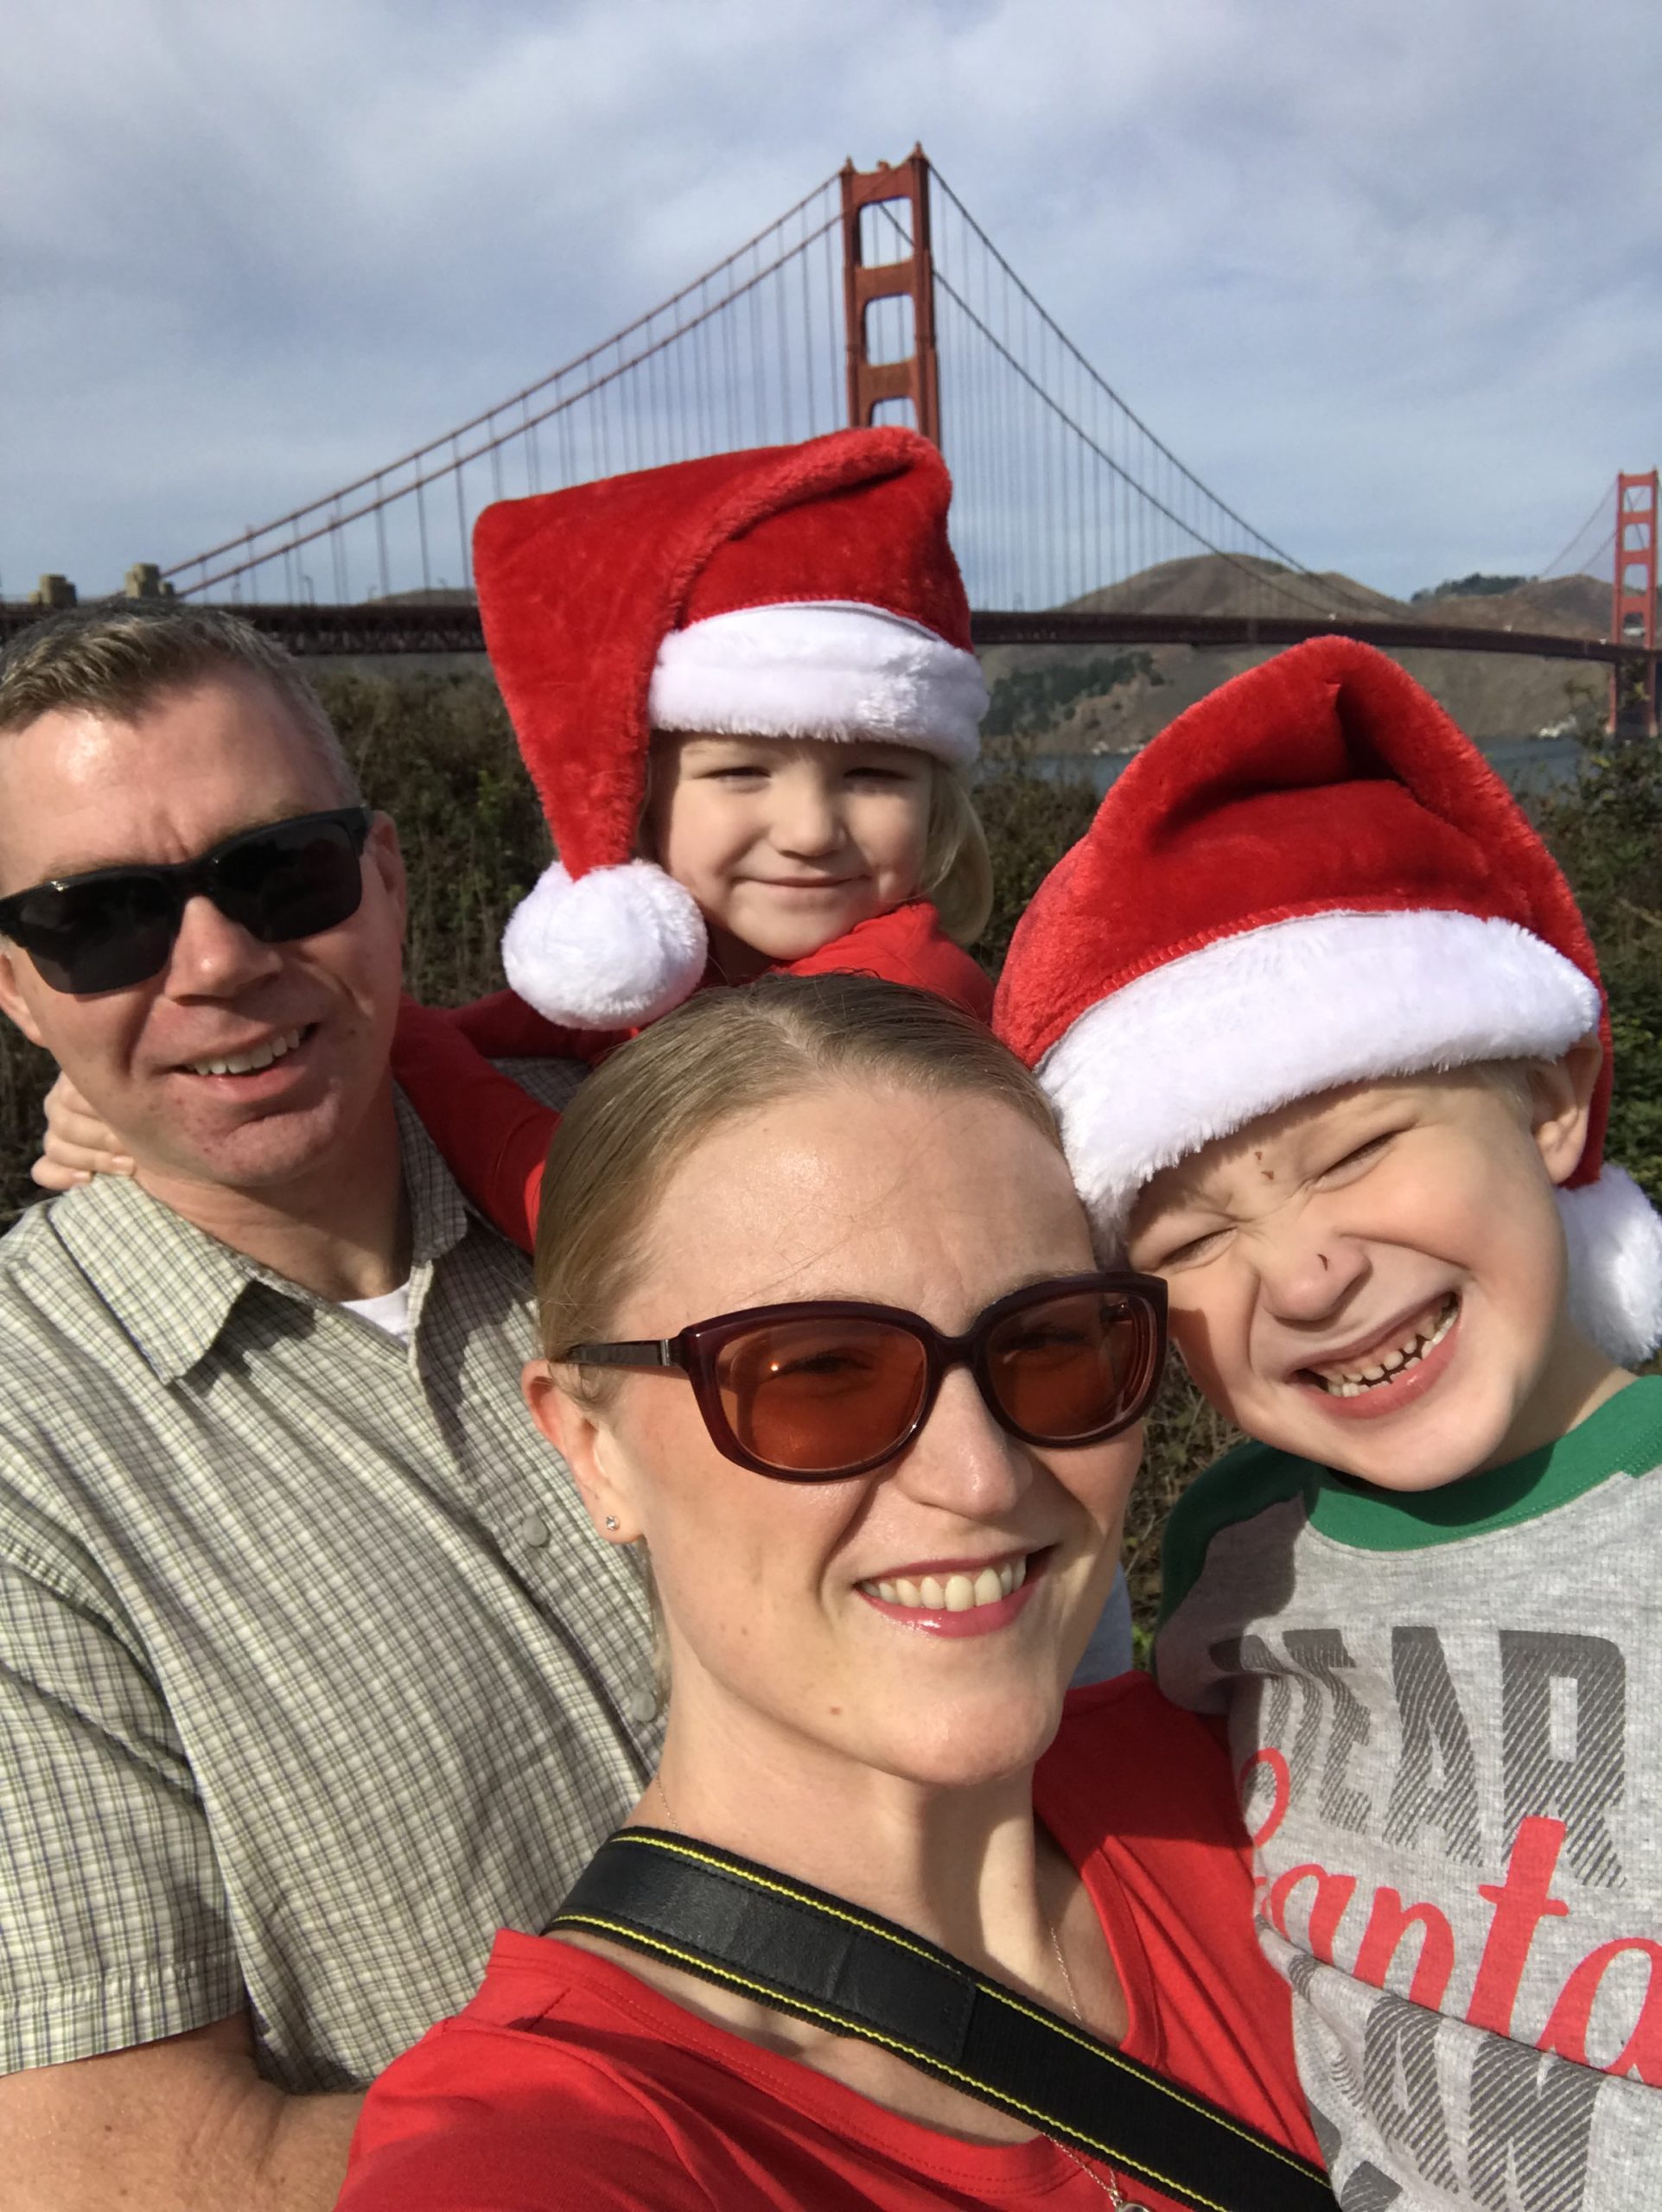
(292, 880)
(818, 1396)
(99, 936)
(116, 926)
(1073, 1367)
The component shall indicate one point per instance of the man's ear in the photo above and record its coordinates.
(1561, 1104)
(13, 1004)
(581, 1436)
(387, 857)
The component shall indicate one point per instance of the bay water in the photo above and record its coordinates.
(1527, 764)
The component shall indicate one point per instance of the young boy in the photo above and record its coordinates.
(1328, 1044)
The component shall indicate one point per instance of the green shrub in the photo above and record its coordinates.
(438, 753)
(1030, 820)
(1030, 702)
(1607, 833)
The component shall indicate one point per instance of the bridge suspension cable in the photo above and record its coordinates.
(1064, 493)
(1043, 423)
(1601, 513)
(673, 383)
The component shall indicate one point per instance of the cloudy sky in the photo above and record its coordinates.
(1387, 277)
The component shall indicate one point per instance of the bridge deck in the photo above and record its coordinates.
(371, 627)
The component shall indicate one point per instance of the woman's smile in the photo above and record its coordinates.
(958, 1597)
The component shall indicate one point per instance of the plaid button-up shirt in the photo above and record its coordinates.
(312, 1673)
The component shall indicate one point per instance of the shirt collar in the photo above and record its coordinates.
(173, 1288)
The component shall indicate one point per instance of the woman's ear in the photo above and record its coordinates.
(580, 1434)
(1561, 1104)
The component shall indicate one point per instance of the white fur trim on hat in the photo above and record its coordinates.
(823, 669)
(612, 950)
(1200, 1046)
(1614, 1239)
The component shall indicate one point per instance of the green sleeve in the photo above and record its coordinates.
(1233, 1488)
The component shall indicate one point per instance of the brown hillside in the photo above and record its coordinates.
(1211, 583)
(1575, 605)
(1491, 696)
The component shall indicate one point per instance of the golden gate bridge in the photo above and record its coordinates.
(876, 297)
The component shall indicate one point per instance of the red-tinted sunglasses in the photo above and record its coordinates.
(828, 1388)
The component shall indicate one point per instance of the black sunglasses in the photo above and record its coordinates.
(829, 1388)
(114, 927)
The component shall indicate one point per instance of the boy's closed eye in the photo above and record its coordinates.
(1179, 1237)
(1164, 1249)
(1359, 1159)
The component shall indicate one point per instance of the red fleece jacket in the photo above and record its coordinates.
(494, 1137)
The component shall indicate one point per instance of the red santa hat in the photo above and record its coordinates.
(790, 591)
(1312, 878)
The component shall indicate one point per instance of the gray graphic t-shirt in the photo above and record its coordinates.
(1446, 1710)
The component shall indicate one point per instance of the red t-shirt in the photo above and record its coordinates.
(495, 1138)
(570, 2086)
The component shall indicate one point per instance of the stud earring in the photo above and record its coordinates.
(611, 1520)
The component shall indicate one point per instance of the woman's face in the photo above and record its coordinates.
(939, 1205)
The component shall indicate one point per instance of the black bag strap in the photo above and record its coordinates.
(815, 1955)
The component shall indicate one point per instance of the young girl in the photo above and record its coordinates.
(744, 688)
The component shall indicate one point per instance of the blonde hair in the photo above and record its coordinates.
(957, 866)
(722, 1055)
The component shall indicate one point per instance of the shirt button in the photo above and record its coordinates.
(533, 1531)
(640, 1706)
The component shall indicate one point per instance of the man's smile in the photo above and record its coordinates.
(254, 1058)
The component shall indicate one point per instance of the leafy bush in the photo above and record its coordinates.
(1607, 833)
(1184, 1434)
(1030, 820)
(1476, 586)
(438, 753)
(1032, 701)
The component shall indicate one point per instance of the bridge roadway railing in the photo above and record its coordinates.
(370, 627)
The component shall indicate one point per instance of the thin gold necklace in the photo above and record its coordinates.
(1109, 2186)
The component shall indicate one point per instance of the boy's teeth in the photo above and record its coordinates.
(956, 1593)
(263, 1056)
(1341, 1382)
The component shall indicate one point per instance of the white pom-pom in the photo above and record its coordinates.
(612, 950)
(1614, 1238)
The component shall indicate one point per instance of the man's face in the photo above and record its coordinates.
(80, 789)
